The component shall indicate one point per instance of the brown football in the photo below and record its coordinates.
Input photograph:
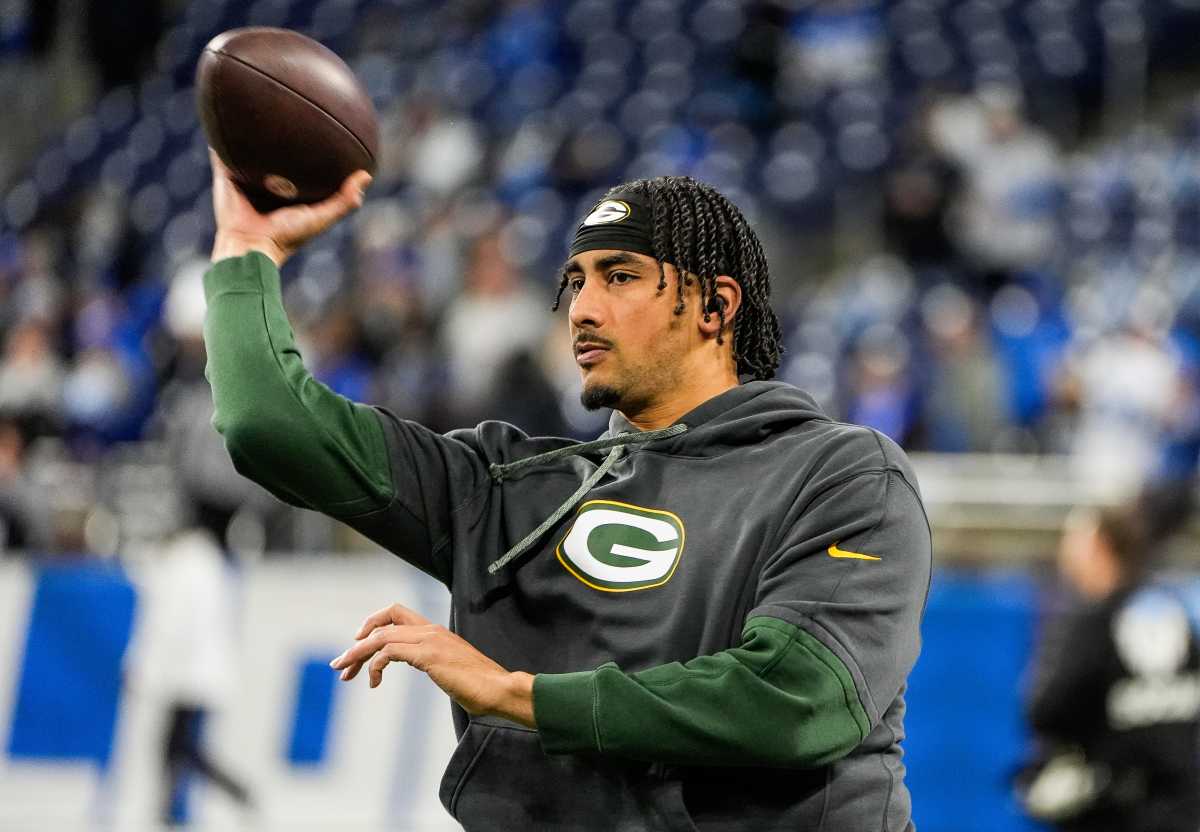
(285, 114)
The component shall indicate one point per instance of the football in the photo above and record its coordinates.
(285, 114)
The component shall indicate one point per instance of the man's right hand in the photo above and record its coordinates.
(241, 229)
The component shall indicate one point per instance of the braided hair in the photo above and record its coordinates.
(702, 233)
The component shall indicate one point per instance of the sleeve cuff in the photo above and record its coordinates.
(563, 711)
(253, 272)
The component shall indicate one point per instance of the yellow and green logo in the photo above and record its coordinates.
(617, 547)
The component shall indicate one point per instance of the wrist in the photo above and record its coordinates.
(517, 700)
(233, 244)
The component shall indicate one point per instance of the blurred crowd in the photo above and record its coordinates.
(983, 220)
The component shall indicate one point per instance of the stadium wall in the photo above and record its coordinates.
(80, 750)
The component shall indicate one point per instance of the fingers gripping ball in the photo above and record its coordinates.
(286, 115)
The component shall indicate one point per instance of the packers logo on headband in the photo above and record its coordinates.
(623, 224)
(610, 210)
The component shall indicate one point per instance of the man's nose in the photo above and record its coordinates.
(587, 307)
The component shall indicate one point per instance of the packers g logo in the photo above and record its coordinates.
(616, 547)
(610, 210)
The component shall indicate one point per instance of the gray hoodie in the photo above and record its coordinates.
(721, 616)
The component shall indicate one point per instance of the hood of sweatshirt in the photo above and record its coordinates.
(743, 415)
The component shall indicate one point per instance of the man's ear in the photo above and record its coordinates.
(726, 299)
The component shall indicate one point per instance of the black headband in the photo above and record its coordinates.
(623, 222)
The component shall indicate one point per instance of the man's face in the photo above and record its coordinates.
(616, 306)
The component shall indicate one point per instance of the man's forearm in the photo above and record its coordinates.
(516, 703)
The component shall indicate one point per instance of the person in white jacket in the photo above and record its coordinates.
(188, 670)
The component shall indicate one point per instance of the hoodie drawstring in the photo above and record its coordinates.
(618, 444)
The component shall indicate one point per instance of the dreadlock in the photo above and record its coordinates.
(704, 235)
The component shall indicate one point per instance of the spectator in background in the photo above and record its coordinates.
(1115, 695)
(31, 376)
(880, 391)
(1123, 387)
(916, 192)
(411, 379)
(15, 494)
(536, 408)
(1003, 217)
(439, 151)
(964, 406)
(97, 394)
(493, 319)
(395, 302)
(37, 291)
(188, 670)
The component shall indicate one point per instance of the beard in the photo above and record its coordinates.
(631, 391)
(597, 396)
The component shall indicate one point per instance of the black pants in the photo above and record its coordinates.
(182, 756)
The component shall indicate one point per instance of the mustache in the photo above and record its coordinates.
(585, 338)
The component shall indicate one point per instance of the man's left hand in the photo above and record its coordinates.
(478, 684)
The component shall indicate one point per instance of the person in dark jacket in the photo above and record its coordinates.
(1115, 697)
(704, 619)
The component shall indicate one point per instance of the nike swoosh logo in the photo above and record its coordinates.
(835, 552)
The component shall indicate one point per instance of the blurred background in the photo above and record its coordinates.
(983, 223)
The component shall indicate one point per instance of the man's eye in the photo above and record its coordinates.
(576, 285)
(621, 277)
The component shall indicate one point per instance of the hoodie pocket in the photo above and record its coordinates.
(471, 747)
(499, 778)
(671, 807)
